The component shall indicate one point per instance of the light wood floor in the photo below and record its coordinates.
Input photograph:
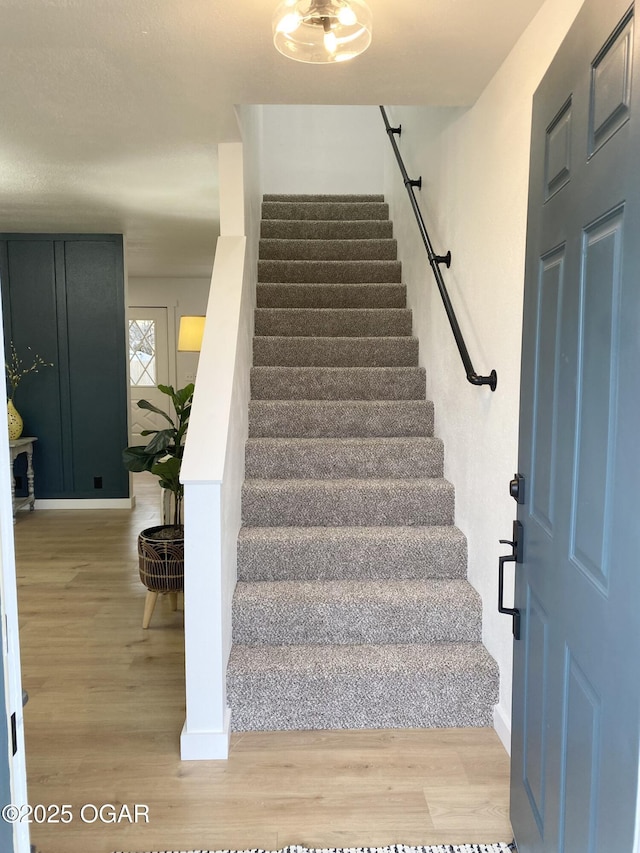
(107, 706)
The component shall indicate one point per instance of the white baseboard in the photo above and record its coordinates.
(502, 725)
(206, 746)
(88, 503)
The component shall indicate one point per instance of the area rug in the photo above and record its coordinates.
(399, 848)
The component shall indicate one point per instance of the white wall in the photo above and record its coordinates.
(323, 149)
(474, 164)
(180, 296)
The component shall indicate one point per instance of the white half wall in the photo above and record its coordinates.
(213, 466)
(475, 165)
(323, 149)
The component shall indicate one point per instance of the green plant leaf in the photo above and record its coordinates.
(169, 390)
(137, 459)
(183, 396)
(168, 470)
(145, 404)
(160, 442)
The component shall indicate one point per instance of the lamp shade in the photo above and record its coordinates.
(190, 334)
(322, 31)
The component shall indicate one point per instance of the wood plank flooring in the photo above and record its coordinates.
(107, 706)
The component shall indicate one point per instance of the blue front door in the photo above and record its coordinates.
(576, 708)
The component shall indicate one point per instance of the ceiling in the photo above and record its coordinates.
(111, 110)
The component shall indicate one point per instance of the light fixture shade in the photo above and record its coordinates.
(190, 334)
(322, 31)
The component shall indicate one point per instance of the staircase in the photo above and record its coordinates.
(352, 608)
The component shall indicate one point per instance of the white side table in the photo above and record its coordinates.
(16, 447)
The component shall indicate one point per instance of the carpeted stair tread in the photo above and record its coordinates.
(339, 458)
(338, 383)
(372, 295)
(329, 250)
(326, 229)
(337, 198)
(318, 418)
(341, 272)
(344, 210)
(335, 351)
(347, 502)
(361, 686)
(356, 612)
(338, 322)
(340, 553)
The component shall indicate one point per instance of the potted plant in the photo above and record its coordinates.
(161, 548)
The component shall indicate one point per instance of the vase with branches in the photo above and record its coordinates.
(16, 370)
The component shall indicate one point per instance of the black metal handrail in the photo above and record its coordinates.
(435, 261)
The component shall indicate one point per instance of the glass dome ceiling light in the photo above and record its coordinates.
(321, 31)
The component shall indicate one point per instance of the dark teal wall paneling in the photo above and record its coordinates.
(31, 322)
(97, 372)
(63, 295)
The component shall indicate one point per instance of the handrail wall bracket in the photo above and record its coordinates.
(443, 259)
(435, 261)
(491, 380)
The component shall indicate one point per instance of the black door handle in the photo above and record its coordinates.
(514, 557)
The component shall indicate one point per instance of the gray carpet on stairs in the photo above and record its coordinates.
(328, 250)
(343, 612)
(339, 272)
(314, 229)
(355, 295)
(358, 553)
(324, 210)
(361, 686)
(316, 418)
(339, 458)
(338, 322)
(337, 383)
(298, 351)
(352, 608)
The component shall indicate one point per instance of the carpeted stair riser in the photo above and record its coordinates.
(356, 612)
(339, 458)
(356, 553)
(326, 229)
(337, 383)
(349, 418)
(335, 352)
(353, 687)
(328, 250)
(339, 322)
(326, 272)
(347, 503)
(334, 198)
(325, 210)
(279, 295)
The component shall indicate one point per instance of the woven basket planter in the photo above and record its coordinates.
(161, 558)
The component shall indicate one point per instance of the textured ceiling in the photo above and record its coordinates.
(110, 110)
